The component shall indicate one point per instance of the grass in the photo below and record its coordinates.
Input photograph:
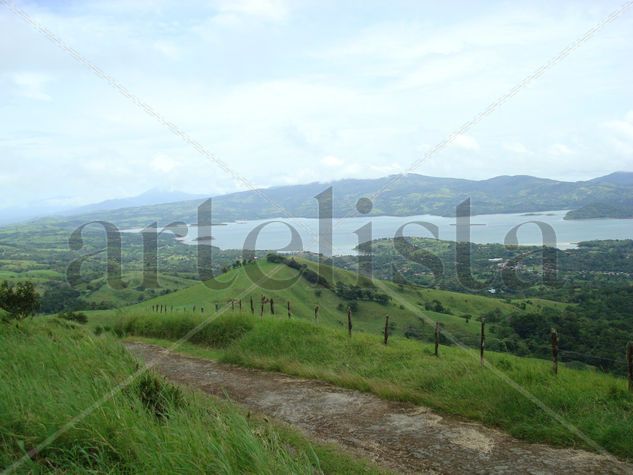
(53, 370)
(406, 309)
(597, 404)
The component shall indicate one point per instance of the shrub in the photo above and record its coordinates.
(19, 301)
(76, 317)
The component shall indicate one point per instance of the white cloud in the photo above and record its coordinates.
(275, 10)
(466, 142)
(515, 147)
(164, 164)
(167, 49)
(623, 127)
(559, 150)
(31, 85)
(332, 161)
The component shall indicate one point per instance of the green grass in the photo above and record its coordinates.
(53, 370)
(597, 404)
(406, 309)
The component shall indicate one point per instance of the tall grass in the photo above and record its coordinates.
(52, 371)
(597, 404)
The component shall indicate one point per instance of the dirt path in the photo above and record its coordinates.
(402, 437)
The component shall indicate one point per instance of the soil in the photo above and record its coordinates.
(398, 436)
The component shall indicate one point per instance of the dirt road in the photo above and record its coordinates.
(399, 436)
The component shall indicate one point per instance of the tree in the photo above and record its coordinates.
(19, 301)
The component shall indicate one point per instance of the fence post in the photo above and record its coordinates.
(482, 341)
(437, 338)
(386, 328)
(272, 306)
(240, 305)
(554, 336)
(261, 310)
(232, 305)
(349, 321)
(629, 363)
(252, 306)
(201, 309)
(316, 312)
(289, 314)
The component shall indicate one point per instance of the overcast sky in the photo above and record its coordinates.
(297, 91)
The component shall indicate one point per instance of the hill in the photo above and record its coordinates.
(404, 195)
(413, 310)
(616, 210)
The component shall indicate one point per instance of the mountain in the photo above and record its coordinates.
(396, 195)
(151, 197)
(617, 178)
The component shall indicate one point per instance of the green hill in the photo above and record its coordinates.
(412, 310)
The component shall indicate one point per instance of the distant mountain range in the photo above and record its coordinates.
(43, 209)
(150, 197)
(404, 195)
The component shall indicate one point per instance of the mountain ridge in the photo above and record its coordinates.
(400, 195)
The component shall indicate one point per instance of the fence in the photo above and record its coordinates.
(269, 302)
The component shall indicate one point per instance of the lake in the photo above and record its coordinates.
(491, 228)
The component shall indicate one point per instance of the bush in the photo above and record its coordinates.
(19, 300)
(76, 317)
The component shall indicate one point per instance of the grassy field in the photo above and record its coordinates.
(599, 405)
(53, 370)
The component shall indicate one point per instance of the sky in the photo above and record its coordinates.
(297, 91)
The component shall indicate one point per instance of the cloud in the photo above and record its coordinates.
(621, 134)
(559, 150)
(31, 85)
(465, 142)
(332, 161)
(515, 147)
(167, 49)
(164, 164)
(274, 10)
(623, 127)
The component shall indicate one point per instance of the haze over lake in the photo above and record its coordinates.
(491, 228)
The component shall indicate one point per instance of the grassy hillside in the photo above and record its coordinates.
(597, 404)
(407, 308)
(52, 371)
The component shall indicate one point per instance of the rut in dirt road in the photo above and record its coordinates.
(399, 436)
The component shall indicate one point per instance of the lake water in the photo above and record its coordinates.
(491, 228)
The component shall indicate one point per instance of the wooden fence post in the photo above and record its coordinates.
(289, 314)
(240, 306)
(272, 306)
(437, 338)
(386, 328)
(554, 336)
(252, 306)
(482, 341)
(316, 312)
(349, 321)
(201, 309)
(629, 363)
(261, 310)
(232, 305)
